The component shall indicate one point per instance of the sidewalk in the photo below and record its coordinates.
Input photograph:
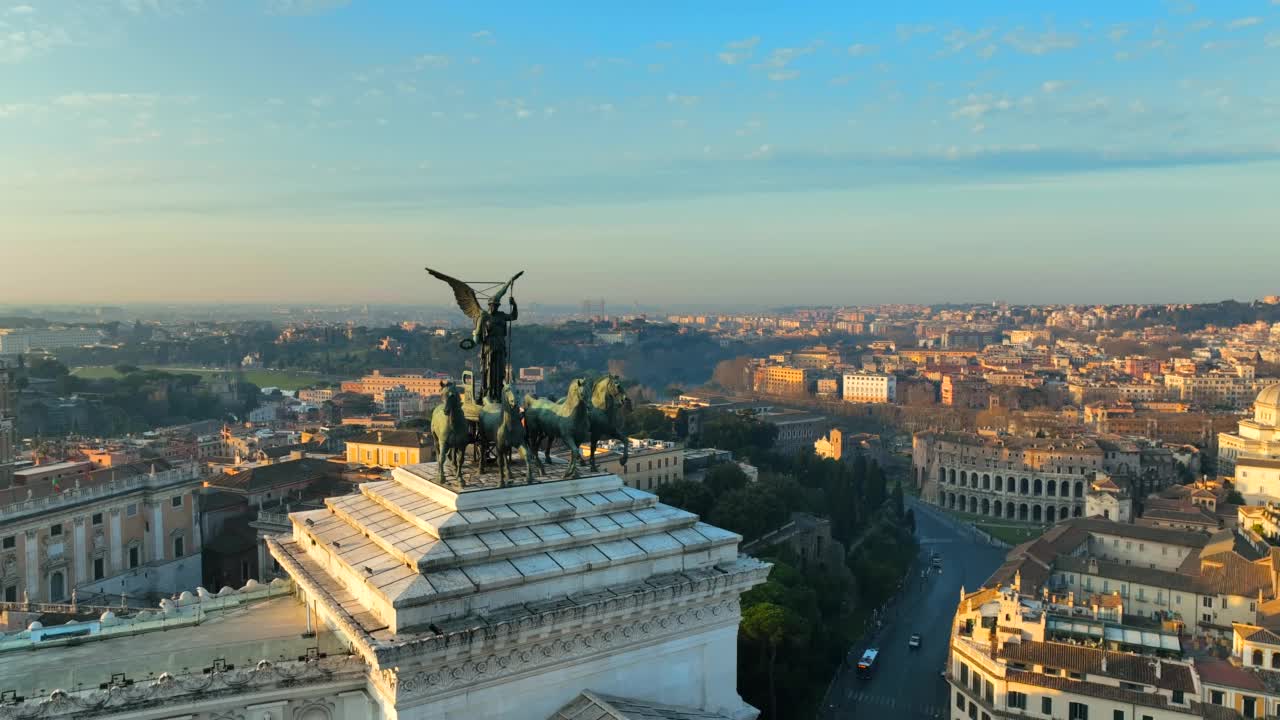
(959, 526)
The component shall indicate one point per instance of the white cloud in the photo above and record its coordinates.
(783, 75)
(1273, 39)
(1041, 43)
(523, 113)
(88, 100)
(739, 50)
(987, 52)
(959, 40)
(1118, 32)
(434, 62)
(760, 152)
(24, 44)
(664, 45)
(21, 10)
(1244, 22)
(301, 7)
(485, 36)
(1052, 86)
(906, 32)
(861, 49)
(685, 100)
(320, 101)
(537, 70)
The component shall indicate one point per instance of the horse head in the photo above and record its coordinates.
(451, 397)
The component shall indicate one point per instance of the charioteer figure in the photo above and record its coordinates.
(492, 331)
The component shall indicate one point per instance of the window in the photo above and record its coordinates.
(1117, 715)
(989, 692)
(99, 568)
(1215, 697)
(96, 519)
(178, 546)
(1077, 711)
(964, 674)
(1075, 675)
(11, 593)
(1207, 602)
(1206, 618)
(1224, 603)
(10, 542)
(1257, 657)
(1249, 706)
(1177, 697)
(56, 530)
(960, 700)
(1046, 706)
(1051, 670)
(176, 500)
(1016, 700)
(973, 712)
(131, 509)
(133, 557)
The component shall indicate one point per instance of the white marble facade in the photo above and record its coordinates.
(411, 600)
(509, 602)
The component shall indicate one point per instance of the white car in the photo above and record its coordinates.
(914, 642)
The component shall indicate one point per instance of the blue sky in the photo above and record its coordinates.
(665, 152)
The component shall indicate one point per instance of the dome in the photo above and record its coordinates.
(1270, 395)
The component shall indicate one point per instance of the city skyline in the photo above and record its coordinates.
(293, 151)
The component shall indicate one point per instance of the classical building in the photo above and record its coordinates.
(1017, 478)
(130, 529)
(562, 599)
(870, 388)
(426, 383)
(780, 380)
(1259, 436)
(389, 448)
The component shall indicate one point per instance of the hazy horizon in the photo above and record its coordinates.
(720, 155)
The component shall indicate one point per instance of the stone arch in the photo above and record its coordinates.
(1039, 487)
(1049, 513)
(953, 476)
(1076, 511)
(1275, 660)
(1036, 514)
(999, 483)
(1009, 510)
(1051, 488)
(986, 481)
(1025, 486)
(997, 509)
(973, 504)
(1079, 489)
(942, 475)
(1257, 658)
(964, 478)
(1022, 512)
(986, 506)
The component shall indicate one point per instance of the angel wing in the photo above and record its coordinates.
(498, 295)
(463, 293)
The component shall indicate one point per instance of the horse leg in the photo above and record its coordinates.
(528, 466)
(592, 462)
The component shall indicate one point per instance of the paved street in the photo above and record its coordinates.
(907, 683)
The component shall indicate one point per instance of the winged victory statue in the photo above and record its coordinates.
(491, 332)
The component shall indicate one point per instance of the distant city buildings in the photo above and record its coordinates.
(389, 448)
(22, 341)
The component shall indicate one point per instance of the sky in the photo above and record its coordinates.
(669, 153)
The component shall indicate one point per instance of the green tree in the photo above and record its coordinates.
(769, 626)
(687, 495)
(725, 477)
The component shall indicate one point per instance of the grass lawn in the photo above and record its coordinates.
(1009, 533)
(283, 379)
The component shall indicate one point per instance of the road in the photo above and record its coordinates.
(907, 683)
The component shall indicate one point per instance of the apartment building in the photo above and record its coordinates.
(869, 388)
(650, 463)
(426, 383)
